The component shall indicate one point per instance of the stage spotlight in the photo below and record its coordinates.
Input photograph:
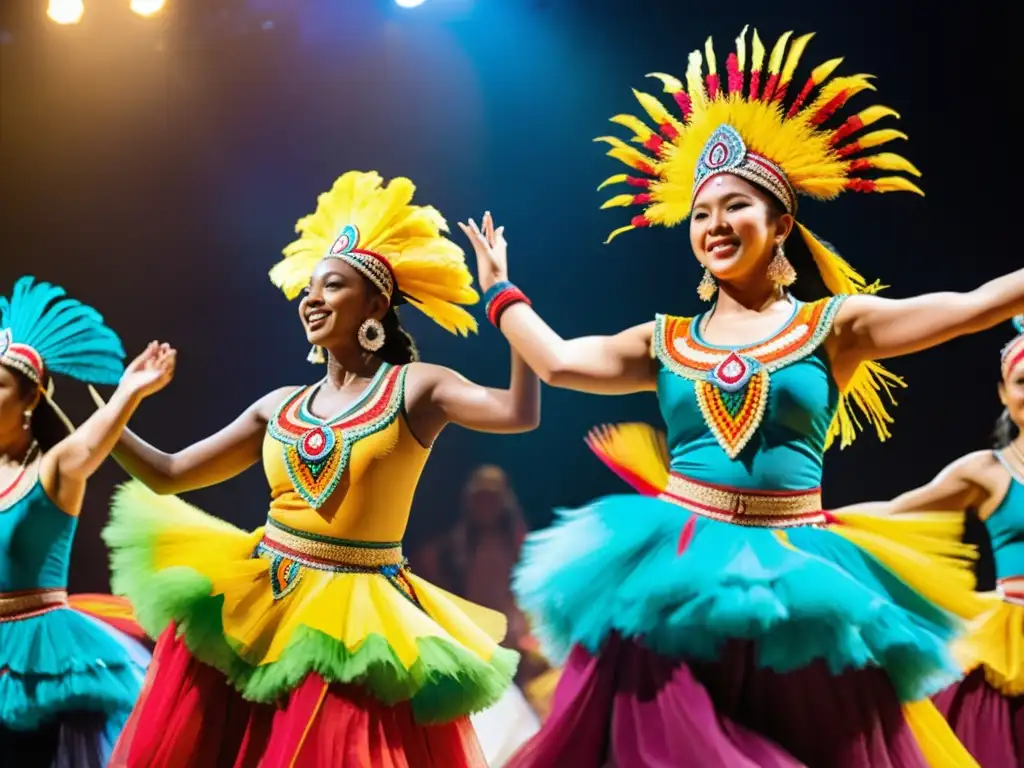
(147, 7)
(66, 11)
(409, 3)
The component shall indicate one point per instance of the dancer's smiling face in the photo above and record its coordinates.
(735, 228)
(337, 301)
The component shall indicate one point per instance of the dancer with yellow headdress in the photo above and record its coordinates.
(308, 641)
(986, 707)
(722, 616)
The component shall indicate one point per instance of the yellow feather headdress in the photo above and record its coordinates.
(746, 128)
(399, 247)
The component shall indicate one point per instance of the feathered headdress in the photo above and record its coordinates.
(44, 331)
(399, 247)
(1013, 353)
(744, 127)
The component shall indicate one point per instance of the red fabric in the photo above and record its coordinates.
(188, 716)
(988, 724)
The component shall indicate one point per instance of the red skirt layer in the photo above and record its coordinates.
(188, 716)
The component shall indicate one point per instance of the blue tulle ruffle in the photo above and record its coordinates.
(64, 661)
(801, 595)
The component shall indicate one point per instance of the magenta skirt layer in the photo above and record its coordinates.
(630, 708)
(989, 724)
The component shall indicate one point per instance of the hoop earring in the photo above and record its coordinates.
(316, 355)
(707, 286)
(780, 270)
(26, 423)
(371, 334)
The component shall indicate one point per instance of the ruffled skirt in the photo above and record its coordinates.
(384, 641)
(68, 681)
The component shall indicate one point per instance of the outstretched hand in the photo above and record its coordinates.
(151, 371)
(490, 248)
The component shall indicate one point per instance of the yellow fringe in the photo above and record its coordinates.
(936, 739)
(638, 449)
(925, 551)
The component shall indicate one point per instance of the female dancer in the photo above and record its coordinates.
(986, 708)
(308, 642)
(67, 681)
(729, 620)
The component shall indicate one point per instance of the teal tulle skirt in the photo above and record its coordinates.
(62, 662)
(803, 594)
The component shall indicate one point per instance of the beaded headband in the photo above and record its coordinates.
(725, 152)
(1013, 353)
(371, 265)
(21, 357)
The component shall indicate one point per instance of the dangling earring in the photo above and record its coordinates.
(371, 334)
(316, 355)
(780, 271)
(707, 287)
(26, 423)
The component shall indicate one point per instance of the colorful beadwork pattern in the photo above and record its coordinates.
(317, 452)
(732, 385)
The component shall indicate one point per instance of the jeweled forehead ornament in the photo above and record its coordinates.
(21, 357)
(725, 152)
(1013, 353)
(371, 265)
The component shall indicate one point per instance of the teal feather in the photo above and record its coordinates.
(71, 337)
(1018, 323)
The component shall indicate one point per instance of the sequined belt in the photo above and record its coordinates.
(329, 554)
(778, 509)
(289, 550)
(30, 602)
(1011, 589)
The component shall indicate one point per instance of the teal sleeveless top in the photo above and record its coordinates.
(35, 541)
(1006, 527)
(753, 417)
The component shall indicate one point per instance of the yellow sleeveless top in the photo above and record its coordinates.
(350, 476)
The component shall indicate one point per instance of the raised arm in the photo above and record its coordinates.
(873, 328)
(604, 365)
(960, 486)
(217, 458)
(66, 468)
(437, 396)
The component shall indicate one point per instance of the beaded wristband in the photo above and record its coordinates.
(500, 297)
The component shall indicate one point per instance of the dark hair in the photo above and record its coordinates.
(47, 427)
(808, 286)
(1006, 430)
(399, 347)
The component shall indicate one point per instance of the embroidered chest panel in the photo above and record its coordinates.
(317, 451)
(732, 385)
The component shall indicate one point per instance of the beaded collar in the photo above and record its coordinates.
(732, 383)
(317, 451)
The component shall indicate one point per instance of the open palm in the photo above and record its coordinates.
(490, 248)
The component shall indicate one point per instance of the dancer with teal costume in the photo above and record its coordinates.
(723, 616)
(69, 673)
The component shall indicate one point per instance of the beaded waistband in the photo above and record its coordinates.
(1011, 589)
(30, 602)
(779, 509)
(329, 554)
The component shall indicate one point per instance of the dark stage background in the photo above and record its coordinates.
(155, 167)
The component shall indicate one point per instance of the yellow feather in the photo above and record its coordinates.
(638, 449)
(854, 84)
(865, 390)
(618, 178)
(897, 184)
(741, 49)
(823, 72)
(793, 59)
(641, 132)
(615, 233)
(887, 161)
(877, 138)
(670, 83)
(654, 108)
(619, 201)
(874, 114)
(709, 55)
(757, 62)
(775, 60)
(695, 80)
